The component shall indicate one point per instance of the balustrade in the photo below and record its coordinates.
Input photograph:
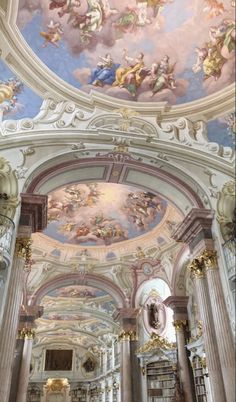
(6, 235)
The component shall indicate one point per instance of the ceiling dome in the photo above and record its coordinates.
(175, 51)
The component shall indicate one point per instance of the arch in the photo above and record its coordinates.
(97, 281)
(127, 171)
(142, 287)
(179, 269)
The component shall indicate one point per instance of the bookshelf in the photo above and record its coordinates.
(199, 382)
(78, 395)
(160, 381)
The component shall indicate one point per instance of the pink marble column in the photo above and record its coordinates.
(183, 361)
(209, 334)
(224, 337)
(130, 370)
(179, 305)
(25, 365)
(126, 384)
(10, 324)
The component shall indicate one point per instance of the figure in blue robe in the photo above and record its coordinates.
(105, 72)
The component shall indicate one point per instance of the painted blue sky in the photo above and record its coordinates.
(28, 102)
(176, 30)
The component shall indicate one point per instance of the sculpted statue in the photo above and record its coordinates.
(153, 315)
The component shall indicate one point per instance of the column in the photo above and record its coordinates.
(144, 387)
(209, 335)
(183, 363)
(179, 306)
(224, 337)
(11, 317)
(130, 370)
(16, 367)
(125, 367)
(28, 335)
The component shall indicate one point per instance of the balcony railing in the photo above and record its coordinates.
(6, 234)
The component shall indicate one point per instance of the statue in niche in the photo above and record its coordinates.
(89, 365)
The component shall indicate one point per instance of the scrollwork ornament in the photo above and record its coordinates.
(156, 342)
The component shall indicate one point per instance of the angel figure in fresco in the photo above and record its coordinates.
(9, 90)
(157, 5)
(210, 60)
(105, 72)
(215, 53)
(162, 76)
(213, 8)
(90, 22)
(107, 10)
(53, 35)
(128, 20)
(65, 6)
(132, 75)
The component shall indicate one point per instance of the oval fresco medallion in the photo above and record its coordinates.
(102, 213)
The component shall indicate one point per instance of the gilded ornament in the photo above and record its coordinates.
(23, 247)
(209, 258)
(197, 268)
(203, 362)
(26, 333)
(156, 342)
(56, 384)
(199, 328)
(127, 336)
(179, 324)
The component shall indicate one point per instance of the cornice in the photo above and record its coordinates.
(24, 62)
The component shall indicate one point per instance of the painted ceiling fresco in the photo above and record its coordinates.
(142, 50)
(71, 309)
(16, 99)
(102, 213)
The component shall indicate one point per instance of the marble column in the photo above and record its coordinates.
(130, 370)
(209, 334)
(224, 337)
(25, 365)
(11, 317)
(179, 306)
(183, 363)
(126, 383)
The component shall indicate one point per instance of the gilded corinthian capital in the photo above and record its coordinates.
(197, 268)
(209, 259)
(127, 336)
(179, 324)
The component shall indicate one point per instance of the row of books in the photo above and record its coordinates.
(160, 399)
(161, 384)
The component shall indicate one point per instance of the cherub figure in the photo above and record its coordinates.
(8, 94)
(214, 8)
(53, 35)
